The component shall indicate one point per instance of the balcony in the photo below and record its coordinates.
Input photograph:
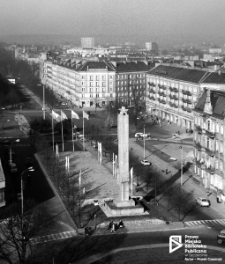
(198, 145)
(152, 91)
(198, 128)
(152, 98)
(210, 170)
(209, 151)
(184, 100)
(209, 133)
(188, 93)
(184, 92)
(162, 101)
(189, 101)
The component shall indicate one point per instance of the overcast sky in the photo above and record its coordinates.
(122, 17)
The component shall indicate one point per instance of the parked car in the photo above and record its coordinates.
(139, 134)
(146, 162)
(221, 237)
(95, 202)
(64, 103)
(203, 202)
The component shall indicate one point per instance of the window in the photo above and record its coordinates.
(217, 127)
(91, 95)
(110, 89)
(97, 84)
(103, 78)
(103, 90)
(208, 125)
(97, 95)
(83, 83)
(103, 84)
(207, 142)
(82, 77)
(97, 78)
(91, 83)
(221, 129)
(91, 78)
(82, 95)
(83, 89)
(110, 77)
(96, 90)
(91, 90)
(2, 196)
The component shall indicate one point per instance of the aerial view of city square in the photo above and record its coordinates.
(112, 131)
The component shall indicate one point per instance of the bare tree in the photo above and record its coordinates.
(18, 229)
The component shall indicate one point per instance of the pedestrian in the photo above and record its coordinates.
(113, 228)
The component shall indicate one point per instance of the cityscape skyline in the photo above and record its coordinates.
(138, 21)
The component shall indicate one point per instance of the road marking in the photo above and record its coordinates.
(58, 236)
(215, 222)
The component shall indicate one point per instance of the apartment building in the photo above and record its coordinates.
(87, 43)
(209, 140)
(172, 92)
(131, 81)
(83, 83)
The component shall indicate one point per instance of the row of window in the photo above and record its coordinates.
(97, 84)
(130, 82)
(171, 84)
(96, 77)
(215, 180)
(92, 90)
(95, 95)
(209, 125)
(130, 76)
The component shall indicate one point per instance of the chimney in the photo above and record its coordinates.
(208, 105)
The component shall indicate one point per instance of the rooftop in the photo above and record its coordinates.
(215, 77)
(217, 101)
(179, 73)
(133, 66)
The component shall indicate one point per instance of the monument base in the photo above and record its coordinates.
(123, 208)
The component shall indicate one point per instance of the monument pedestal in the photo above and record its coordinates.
(124, 208)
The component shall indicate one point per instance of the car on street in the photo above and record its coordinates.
(203, 202)
(95, 202)
(146, 162)
(64, 103)
(221, 237)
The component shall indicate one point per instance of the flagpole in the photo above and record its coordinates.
(62, 132)
(72, 130)
(83, 130)
(53, 143)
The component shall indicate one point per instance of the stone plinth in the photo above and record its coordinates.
(124, 208)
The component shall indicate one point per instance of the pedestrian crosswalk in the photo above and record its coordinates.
(53, 237)
(211, 223)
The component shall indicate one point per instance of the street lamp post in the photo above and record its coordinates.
(181, 165)
(144, 142)
(21, 185)
(43, 102)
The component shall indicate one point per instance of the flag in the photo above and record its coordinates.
(74, 115)
(56, 116)
(85, 115)
(63, 116)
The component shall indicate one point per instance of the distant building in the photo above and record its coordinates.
(215, 50)
(152, 46)
(2, 186)
(209, 140)
(87, 43)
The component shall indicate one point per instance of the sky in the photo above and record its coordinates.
(113, 17)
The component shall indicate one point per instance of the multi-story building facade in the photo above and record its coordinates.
(87, 43)
(83, 83)
(209, 140)
(171, 93)
(152, 46)
(131, 81)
